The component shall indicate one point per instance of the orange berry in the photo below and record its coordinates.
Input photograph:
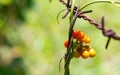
(66, 43)
(85, 54)
(87, 40)
(76, 54)
(83, 39)
(75, 34)
(80, 35)
(92, 52)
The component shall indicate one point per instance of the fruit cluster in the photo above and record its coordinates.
(81, 45)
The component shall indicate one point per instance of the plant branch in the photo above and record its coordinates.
(77, 13)
(70, 49)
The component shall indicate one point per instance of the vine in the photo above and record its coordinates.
(78, 43)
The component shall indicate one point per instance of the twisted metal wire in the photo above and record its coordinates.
(106, 32)
(81, 14)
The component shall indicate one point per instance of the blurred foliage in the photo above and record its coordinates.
(31, 41)
(11, 14)
(12, 10)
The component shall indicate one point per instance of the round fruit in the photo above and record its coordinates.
(92, 52)
(66, 43)
(83, 39)
(85, 54)
(75, 34)
(76, 54)
(80, 35)
(87, 40)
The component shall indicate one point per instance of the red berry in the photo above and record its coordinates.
(75, 34)
(66, 43)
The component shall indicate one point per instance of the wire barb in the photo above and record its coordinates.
(109, 38)
(106, 32)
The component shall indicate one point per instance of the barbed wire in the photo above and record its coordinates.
(106, 32)
(77, 13)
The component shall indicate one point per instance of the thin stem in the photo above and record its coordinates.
(70, 48)
(60, 62)
(59, 14)
(70, 42)
(67, 72)
(94, 3)
(116, 4)
(71, 12)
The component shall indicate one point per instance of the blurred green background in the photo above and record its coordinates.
(31, 41)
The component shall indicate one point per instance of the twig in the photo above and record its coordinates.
(59, 14)
(60, 62)
(69, 54)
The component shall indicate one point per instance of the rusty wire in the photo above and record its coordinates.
(106, 32)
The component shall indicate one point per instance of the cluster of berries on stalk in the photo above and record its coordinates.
(81, 45)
